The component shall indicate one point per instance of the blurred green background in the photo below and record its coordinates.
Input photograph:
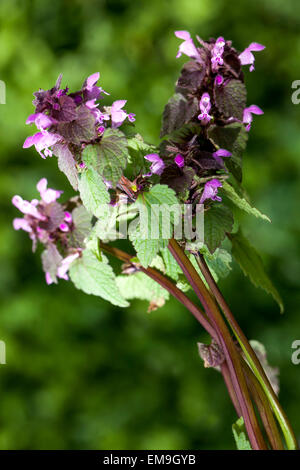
(82, 374)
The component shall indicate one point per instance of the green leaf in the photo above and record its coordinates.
(93, 191)
(241, 202)
(82, 226)
(140, 286)
(233, 138)
(151, 230)
(240, 435)
(172, 268)
(219, 262)
(97, 278)
(109, 157)
(252, 265)
(137, 149)
(217, 221)
(112, 223)
(231, 99)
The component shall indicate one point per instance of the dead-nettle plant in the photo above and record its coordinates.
(119, 178)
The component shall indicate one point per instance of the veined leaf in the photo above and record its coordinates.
(177, 112)
(252, 265)
(172, 268)
(82, 226)
(240, 435)
(217, 221)
(109, 157)
(231, 98)
(137, 149)
(242, 203)
(219, 262)
(96, 277)
(93, 191)
(140, 286)
(158, 212)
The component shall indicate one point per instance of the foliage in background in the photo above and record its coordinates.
(79, 372)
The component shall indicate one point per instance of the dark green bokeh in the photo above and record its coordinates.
(82, 374)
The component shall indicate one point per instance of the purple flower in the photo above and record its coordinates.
(48, 195)
(205, 107)
(42, 121)
(219, 80)
(40, 217)
(63, 268)
(42, 142)
(90, 90)
(27, 207)
(131, 117)
(68, 217)
(157, 166)
(247, 58)
(179, 160)
(118, 114)
(247, 115)
(217, 53)
(211, 191)
(187, 47)
(221, 153)
(64, 227)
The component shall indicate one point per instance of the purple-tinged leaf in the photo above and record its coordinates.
(67, 164)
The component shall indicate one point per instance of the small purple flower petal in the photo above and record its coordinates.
(68, 217)
(42, 141)
(247, 58)
(42, 121)
(65, 265)
(205, 107)
(92, 80)
(221, 153)
(26, 207)
(118, 115)
(219, 80)
(211, 191)
(187, 47)
(205, 104)
(247, 115)
(131, 117)
(21, 224)
(48, 278)
(179, 160)
(48, 195)
(158, 164)
(217, 53)
(64, 227)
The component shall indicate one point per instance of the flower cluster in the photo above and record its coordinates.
(47, 222)
(204, 132)
(212, 82)
(72, 118)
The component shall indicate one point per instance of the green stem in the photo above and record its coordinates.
(231, 354)
(257, 368)
(264, 408)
